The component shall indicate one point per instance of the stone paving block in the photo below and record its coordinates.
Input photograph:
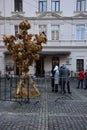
(50, 111)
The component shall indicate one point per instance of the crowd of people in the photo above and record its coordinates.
(60, 76)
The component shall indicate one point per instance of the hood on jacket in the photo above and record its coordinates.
(63, 66)
(56, 68)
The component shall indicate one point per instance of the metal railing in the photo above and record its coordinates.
(8, 87)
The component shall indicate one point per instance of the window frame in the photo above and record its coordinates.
(80, 5)
(55, 36)
(18, 5)
(42, 5)
(80, 32)
(56, 8)
(79, 65)
(16, 30)
(42, 28)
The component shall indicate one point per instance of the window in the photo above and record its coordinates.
(55, 4)
(17, 30)
(81, 5)
(42, 5)
(79, 65)
(18, 5)
(55, 32)
(80, 32)
(42, 28)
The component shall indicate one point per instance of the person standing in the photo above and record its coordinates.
(56, 78)
(80, 79)
(65, 76)
(52, 78)
(85, 79)
(60, 78)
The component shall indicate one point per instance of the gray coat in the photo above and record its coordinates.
(65, 73)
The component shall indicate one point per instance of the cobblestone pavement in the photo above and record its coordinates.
(50, 111)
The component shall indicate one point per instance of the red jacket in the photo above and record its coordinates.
(81, 75)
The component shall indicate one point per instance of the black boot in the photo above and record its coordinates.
(64, 91)
(68, 87)
(52, 84)
(52, 89)
(56, 87)
(85, 87)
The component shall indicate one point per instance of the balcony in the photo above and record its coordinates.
(67, 43)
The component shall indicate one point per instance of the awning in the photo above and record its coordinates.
(49, 53)
(52, 53)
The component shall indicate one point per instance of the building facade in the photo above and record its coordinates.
(64, 23)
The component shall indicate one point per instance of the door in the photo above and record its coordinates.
(40, 67)
(55, 60)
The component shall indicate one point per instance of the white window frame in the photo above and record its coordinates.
(43, 28)
(54, 32)
(42, 5)
(16, 29)
(55, 5)
(81, 5)
(80, 32)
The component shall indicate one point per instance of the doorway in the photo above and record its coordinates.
(40, 67)
(55, 60)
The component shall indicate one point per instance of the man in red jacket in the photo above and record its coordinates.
(80, 78)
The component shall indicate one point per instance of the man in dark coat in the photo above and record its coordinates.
(65, 76)
(52, 78)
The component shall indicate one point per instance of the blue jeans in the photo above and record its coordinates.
(80, 82)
